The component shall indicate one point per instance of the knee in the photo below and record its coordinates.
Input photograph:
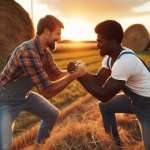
(52, 116)
(55, 114)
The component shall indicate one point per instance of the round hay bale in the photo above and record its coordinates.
(149, 47)
(136, 37)
(15, 27)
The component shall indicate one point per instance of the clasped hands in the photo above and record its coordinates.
(76, 66)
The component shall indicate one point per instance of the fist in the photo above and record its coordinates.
(72, 67)
(75, 65)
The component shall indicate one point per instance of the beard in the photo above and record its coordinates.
(51, 46)
(101, 53)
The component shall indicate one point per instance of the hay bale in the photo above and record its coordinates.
(149, 47)
(136, 37)
(15, 27)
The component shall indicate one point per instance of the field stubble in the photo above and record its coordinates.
(83, 129)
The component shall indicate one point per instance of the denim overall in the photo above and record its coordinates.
(16, 97)
(129, 102)
(141, 108)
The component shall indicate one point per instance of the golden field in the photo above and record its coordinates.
(79, 126)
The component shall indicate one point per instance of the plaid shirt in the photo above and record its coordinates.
(28, 58)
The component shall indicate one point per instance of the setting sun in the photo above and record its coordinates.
(76, 29)
(80, 21)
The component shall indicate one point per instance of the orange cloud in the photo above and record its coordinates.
(96, 9)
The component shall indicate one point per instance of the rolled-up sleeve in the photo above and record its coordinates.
(31, 64)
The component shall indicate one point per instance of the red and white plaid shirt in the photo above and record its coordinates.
(28, 58)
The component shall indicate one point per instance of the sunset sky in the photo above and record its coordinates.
(81, 16)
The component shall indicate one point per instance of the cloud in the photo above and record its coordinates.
(97, 9)
(143, 8)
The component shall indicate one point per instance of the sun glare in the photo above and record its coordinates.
(76, 30)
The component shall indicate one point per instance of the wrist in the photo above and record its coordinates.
(74, 75)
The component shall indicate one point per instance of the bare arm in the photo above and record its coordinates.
(99, 87)
(37, 73)
(60, 74)
(53, 71)
(61, 84)
(106, 92)
(99, 78)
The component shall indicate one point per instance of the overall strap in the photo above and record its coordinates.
(108, 63)
(135, 97)
(136, 56)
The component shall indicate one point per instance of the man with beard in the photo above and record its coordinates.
(121, 70)
(31, 65)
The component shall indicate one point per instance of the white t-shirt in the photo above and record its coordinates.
(131, 69)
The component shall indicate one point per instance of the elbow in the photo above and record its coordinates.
(46, 95)
(104, 100)
(103, 97)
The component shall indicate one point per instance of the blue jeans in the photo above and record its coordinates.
(34, 104)
(122, 104)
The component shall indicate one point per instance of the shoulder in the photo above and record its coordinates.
(126, 57)
(26, 52)
(124, 66)
(27, 47)
(106, 58)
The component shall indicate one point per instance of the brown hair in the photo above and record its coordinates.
(50, 22)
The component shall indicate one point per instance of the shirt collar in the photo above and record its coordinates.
(40, 50)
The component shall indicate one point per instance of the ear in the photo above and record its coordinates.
(46, 31)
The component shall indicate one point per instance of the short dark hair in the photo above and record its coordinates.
(110, 29)
(50, 22)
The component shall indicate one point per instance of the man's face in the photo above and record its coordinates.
(53, 37)
(103, 45)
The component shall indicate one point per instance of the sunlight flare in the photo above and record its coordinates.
(76, 29)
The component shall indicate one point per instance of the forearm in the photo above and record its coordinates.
(95, 89)
(88, 77)
(57, 76)
(63, 74)
(93, 78)
(57, 86)
(107, 91)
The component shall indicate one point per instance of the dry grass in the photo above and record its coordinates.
(24, 139)
(81, 129)
(79, 136)
(79, 126)
(28, 137)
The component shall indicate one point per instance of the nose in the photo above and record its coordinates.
(59, 38)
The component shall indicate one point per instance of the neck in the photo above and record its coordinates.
(42, 42)
(116, 51)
